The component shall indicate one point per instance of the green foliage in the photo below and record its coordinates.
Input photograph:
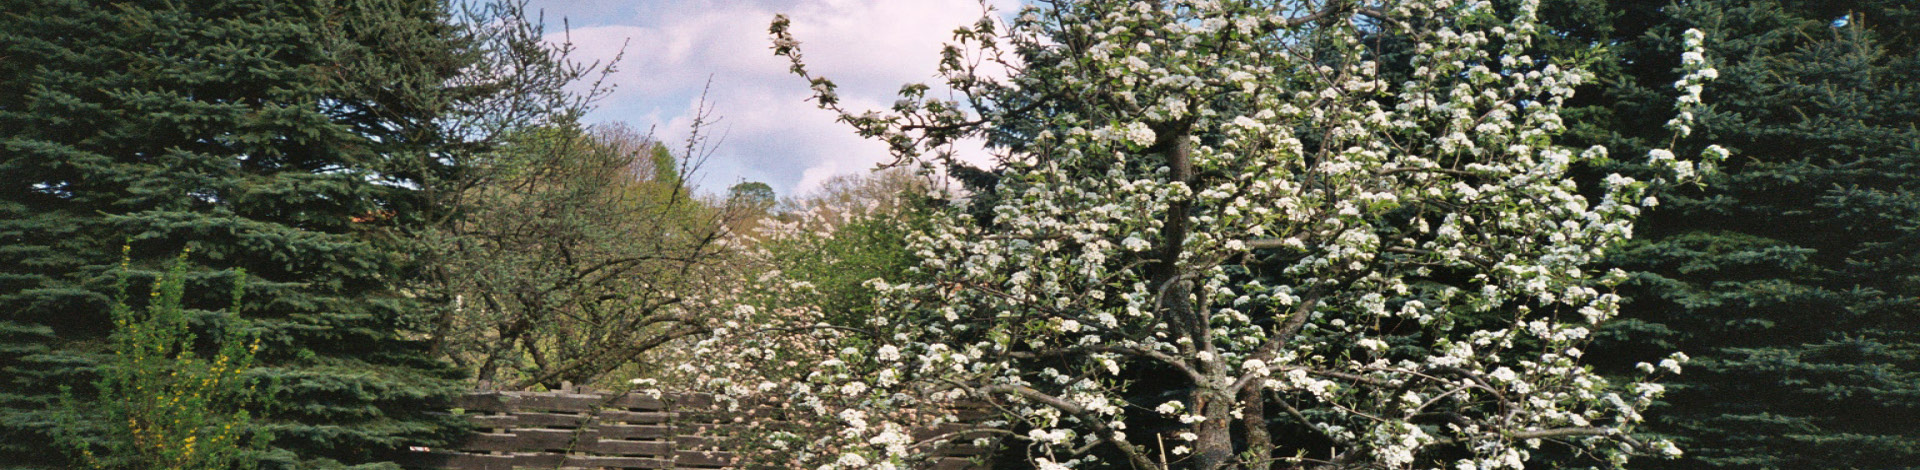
(568, 262)
(854, 229)
(301, 141)
(666, 169)
(1792, 277)
(162, 405)
(862, 250)
(752, 194)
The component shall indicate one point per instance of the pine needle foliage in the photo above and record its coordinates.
(1791, 277)
(303, 141)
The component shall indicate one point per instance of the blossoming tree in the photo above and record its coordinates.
(1239, 234)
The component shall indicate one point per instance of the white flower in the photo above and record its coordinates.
(1056, 436)
(1503, 374)
(853, 388)
(851, 460)
(1139, 134)
(1667, 448)
(1256, 367)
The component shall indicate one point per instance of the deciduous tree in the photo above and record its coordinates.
(576, 254)
(1222, 239)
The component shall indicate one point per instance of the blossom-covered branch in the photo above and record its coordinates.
(1217, 222)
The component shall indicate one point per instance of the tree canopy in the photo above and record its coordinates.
(300, 141)
(1231, 242)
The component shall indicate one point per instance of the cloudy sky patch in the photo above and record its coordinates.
(771, 133)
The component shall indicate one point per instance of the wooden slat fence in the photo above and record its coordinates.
(582, 430)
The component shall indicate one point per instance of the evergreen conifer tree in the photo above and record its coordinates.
(298, 140)
(1793, 277)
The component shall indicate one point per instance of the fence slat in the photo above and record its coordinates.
(457, 461)
(573, 430)
(635, 431)
(591, 461)
(630, 448)
(697, 459)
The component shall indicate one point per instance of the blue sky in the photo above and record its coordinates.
(870, 47)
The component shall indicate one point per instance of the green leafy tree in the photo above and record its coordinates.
(166, 405)
(853, 230)
(575, 257)
(752, 193)
(301, 141)
(1792, 278)
(666, 168)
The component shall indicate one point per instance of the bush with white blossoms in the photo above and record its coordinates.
(774, 351)
(1238, 234)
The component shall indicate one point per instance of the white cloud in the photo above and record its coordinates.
(869, 47)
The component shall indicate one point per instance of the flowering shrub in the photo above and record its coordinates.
(161, 404)
(1222, 223)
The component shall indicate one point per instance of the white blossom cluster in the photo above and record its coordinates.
(1236, 204)
(1697, 73)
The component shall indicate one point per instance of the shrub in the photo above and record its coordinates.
(161, 403)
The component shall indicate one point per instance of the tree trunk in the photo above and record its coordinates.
(1253, 422)
(1214, 449)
